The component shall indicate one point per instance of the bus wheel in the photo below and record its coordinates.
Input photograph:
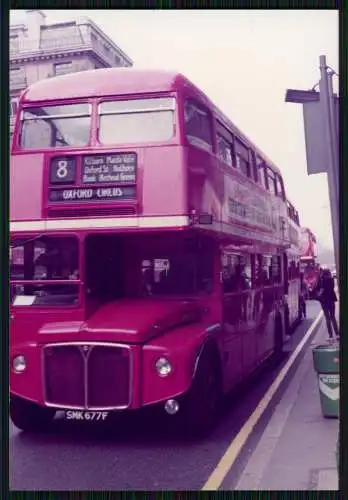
(278, 340)
(199, 410)
(28, 416)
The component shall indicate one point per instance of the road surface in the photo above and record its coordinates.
(140, 454)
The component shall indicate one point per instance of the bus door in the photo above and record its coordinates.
(236, 295)
(266, 294)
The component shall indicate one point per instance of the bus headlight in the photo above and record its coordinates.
(163, 367)
(19, 364)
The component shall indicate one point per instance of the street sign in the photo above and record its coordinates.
(316, 135)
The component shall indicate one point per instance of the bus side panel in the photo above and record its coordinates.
(165, 173)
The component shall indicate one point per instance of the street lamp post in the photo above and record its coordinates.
(320, 114)
(327, 101)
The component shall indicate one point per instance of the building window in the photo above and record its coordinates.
(198, 125)
(14, 43)
(63, 68)
(242, 157)
(13, 106)
(16, 74)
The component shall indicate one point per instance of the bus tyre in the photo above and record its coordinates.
(278, 340)
(30, 417)
(200, 406)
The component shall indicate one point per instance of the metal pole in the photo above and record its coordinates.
(326, 100)
(333, 126)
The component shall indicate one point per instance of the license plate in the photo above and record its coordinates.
(91, 416)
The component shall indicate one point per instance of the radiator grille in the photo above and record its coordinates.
(93, 376)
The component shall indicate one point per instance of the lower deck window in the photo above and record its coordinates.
(236, 274)
(35, 261)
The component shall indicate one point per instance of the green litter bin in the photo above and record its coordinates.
(326, 364)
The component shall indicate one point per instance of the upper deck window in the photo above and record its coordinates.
(242, 157)
(55, 126)
(271, 181)
(224, 150)
(261, 171)
(254, 166)
(198, 128)
(224, 144)
(280, 187)
(137, 120)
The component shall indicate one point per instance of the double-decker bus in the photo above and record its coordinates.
(310, 267)
(150, 236)
(292, 267)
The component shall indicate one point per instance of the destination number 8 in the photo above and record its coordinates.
(62, 169)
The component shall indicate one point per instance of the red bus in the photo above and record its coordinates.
(152, 234)
(309, 264)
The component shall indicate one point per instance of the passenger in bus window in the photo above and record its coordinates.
(148, 277)
(243, 277)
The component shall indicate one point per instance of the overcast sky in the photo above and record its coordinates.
(244, 61)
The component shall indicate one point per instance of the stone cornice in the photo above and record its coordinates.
(47, 55)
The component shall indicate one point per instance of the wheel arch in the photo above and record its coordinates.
(210, 348)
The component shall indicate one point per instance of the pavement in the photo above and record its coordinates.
(297, 448)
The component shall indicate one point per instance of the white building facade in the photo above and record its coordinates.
(39, 51)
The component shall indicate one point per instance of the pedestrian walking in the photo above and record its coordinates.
(303, 296)
(328, 298)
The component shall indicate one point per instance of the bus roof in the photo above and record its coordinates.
(125, 81)
(103, 82)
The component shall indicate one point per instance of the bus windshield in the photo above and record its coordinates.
(137, 120)
(36, 260)
(55, 126)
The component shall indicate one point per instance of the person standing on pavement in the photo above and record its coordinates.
(328, 298)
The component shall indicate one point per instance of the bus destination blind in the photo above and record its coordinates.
(92, 194)
(109, 168)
